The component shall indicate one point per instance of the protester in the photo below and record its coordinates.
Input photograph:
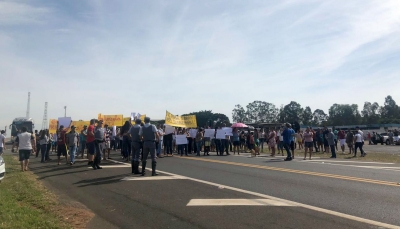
(358, 141)
(99, 138)
(342, 140)
(308, 142)
(362, 141)
(37, 139)
(199, 140)
(2, 142)
(43, 139)
(167, 140)
(160, 143)
(280, 141)
(288, 134)
(236, 140)
(49, 143)
(82, 139)
(72, 142)
(272, 141)
(391, 137)
(90, 144)
(136, 146)
(330, 137)
(299, 140)
(61, 144)
(350, 140)
(107, 143)
(126, 145)
(242, 140)
(150, 135)
(26, 143)
(262, 139)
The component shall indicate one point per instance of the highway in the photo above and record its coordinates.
(232, 192)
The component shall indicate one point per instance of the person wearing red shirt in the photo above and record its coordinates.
(90, 142)
(342, 139)
(61, 144)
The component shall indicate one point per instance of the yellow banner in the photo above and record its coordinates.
(79, 125)
(112, 120)
(188, 121)
(53, 126)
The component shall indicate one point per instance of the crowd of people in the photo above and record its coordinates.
(136, 142)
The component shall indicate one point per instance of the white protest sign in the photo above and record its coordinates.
(181, 139)
(133, 115)
(209, 133)
(220, 134)
(65, 121)
(193, 133)
(169, 129)
(228, 131)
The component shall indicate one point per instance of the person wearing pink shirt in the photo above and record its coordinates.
(308, 145)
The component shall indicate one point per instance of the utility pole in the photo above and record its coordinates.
(65, 111)
(44, 122)
(29, 105)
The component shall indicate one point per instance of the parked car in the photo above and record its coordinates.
(2, 168)
(379, 138)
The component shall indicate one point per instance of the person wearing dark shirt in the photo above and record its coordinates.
(61, 144)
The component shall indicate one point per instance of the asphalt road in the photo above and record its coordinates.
(232, 192)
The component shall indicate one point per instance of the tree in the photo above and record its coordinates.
(344, 114)
(319, 117)
(370, 113)
(307, 116)
(390, 110)
(239, 114)
(260, 111)
(291, 112)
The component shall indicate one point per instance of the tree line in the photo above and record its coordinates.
(338, 114)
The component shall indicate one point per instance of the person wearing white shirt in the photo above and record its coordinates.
(359, 142)
(280, 144)
(2, 142)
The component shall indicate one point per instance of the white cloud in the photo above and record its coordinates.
(15, 13)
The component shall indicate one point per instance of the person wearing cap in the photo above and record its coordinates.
(149, 134)
(61, 144)
(82, 140)
(72, 141)
(99, 136)
(136, 145)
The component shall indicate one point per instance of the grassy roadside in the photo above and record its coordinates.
(24, 202)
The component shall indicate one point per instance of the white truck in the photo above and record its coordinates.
(18, 123)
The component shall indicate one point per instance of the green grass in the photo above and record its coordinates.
(24, 202)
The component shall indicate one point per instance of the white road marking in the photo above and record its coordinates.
(236, 202)
(153, 178)
(366, 166)
(361, 162)
(318, 209)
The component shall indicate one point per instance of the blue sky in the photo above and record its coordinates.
(116, 57)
